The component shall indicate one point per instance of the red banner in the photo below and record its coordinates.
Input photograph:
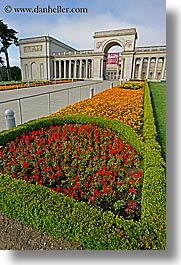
(113, 58)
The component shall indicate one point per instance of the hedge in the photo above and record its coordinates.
(62, 216)
(154, 184)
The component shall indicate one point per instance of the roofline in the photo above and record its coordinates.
(43, 38)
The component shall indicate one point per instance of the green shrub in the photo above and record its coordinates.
(131, 85)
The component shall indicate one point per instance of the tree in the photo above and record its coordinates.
(1, 61)
(7, 38)
(16, 73)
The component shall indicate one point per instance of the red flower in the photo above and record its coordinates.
(59, 174)
(36, 177)
(25, 164)
(105, 189)
(25, 178)
(134, 203)
(107, 173)
(118, 183)
(82, 193)
(50, 168)
(52, 176)
(139, 174)
(96, 193)
(45, 169)
(58, 189)
(40, 182)
(132, 190)
(76, 186)
(100, 172)
(104, 157)
(91, 199)
(104, 181)
(125, 162)
(73, 194)
(39, 152)
(86, 185)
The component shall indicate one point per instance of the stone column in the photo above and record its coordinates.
(86, 68)
(65, 66)
(55, 69)
(92, 68)
(70, 68)
(148, 68)
(155, 71)
(128, 62)
(101, 68)
(80, 69)
(134, 64)
(97, 68)
(140, 69)
(60, 69)
(122, 68)
(75, 69)
(163, 69)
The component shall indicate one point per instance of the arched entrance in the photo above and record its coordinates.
(113, 67)
(104, 41)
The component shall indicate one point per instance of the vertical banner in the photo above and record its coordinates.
(112, 58)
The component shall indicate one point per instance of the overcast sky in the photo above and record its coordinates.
(76, 30)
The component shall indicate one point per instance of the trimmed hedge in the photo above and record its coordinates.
(154, 184)
(62, 216)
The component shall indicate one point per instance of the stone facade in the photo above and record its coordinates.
(45, 58)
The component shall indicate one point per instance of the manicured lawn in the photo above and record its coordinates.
(158, 95)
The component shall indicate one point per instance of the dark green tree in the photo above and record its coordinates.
(7, 38)
(16, 73)
(1, 61)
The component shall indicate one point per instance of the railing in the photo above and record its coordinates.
(73, 53)
(151, 48)
(56, 99)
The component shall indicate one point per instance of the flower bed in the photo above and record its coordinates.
(116, 103)
(63, 216)
(33, 84)
(82, 161)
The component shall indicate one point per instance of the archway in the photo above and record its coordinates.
(104, 41)
(113, 65)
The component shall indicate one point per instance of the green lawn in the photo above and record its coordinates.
(158, 95)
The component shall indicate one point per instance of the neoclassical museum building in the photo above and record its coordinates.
(44, 58)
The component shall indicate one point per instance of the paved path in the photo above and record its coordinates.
(38, 106)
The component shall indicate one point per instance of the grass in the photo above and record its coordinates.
(158, 95)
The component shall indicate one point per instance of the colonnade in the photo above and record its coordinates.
(153, 68)
(69, 68)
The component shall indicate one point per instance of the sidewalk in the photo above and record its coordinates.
(38, 106)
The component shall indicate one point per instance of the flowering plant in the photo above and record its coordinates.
(82, 161)
(124, 105)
